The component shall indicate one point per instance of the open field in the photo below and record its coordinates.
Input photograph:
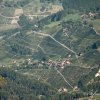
(73, 17)
(4, 27)
(96, 24)
(95, 97)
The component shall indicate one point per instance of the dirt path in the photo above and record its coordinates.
(6, 16)
(34, 15)
(42, 49)
(63, 77)
(96, 31)
(47, 35)
(67, 48)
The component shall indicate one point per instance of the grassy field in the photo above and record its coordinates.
(8, 11)
(53, 24)
(4, 27)
(95, 97)
(33, 7)
(73, 17)
(52, 77)
(96, 24)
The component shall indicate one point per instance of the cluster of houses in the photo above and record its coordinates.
(89, 15)
(64, 90)
(61, 64)
(50, 63)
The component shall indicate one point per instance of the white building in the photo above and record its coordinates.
(97, 74)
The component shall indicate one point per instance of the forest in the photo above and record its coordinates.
(88, 5)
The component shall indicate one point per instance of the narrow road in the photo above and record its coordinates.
(63, 77)
(34, 15)
(42, 49)
(6, 16)
(14, 34)
(96, 31)
(47, 35)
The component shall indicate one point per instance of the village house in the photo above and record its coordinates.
(89, 15)
(30, 17)
(16, 70)
(68, 62)
(29, 61)
(3, 66)
(18, 65)
(84, 16)
(62, 90)
(69, 56)
(49, 63)
(14, 62)
(75, 88)
(92, 14)
(79, 54)
(61, 64)
(97, 74)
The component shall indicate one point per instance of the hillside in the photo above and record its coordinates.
(53, 57)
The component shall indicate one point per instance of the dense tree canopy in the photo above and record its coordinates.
(82, 4)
